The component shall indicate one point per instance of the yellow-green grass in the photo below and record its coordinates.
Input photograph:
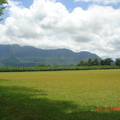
(59, 95)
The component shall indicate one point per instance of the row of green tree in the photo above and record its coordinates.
(94, 62)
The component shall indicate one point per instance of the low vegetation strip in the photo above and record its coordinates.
(56, 68)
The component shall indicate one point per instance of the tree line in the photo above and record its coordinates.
(95, 62)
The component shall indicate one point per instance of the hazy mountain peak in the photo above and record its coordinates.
(15, 55)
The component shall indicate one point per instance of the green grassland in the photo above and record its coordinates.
(59, 95)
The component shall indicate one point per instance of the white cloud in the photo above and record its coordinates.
(101, 1)
(48, 24)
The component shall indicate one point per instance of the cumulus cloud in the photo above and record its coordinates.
(101, 1)
(47, 24)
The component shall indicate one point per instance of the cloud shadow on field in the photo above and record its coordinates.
(21, 103)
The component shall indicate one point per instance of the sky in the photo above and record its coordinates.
(78, 25)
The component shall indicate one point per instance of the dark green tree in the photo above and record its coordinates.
(96, 62)
(117, 62)
(102, 62)
(106, 61)
(2, 7)
(90, 62)
(82, 63)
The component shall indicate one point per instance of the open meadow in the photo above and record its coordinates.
(60, 95)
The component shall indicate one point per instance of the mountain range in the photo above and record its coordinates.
(15, 55)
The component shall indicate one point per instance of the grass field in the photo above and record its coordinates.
(59, 95)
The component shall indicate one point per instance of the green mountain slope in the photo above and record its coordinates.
(15, 55)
